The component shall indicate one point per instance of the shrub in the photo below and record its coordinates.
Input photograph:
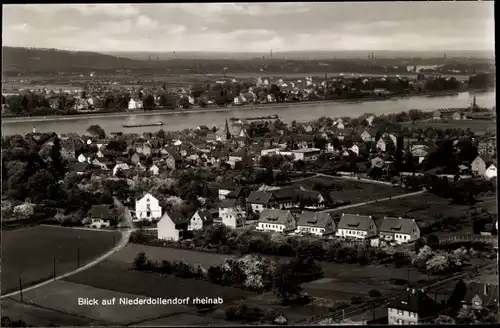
(140, 261)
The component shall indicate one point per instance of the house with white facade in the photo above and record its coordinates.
(84, 158)
(411, 307)
(134, 104)
(231, 214)
(260, 200)
(120, 167)
(147, 208)
(316, 223)
(307, 154)
(366, 136)
(478, 166)
(400, 230)
(100, 216)
(491, 172)
(226, 189)
(172, 226)
(355, 149)
(201, 219)
(276, 220)
(355, 226)
(154, 169)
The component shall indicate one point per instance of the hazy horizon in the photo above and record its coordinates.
(252, 28)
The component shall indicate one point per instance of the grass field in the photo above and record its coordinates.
(114, 277)
(38, 316)
(63, 296)
(30, 252)
(354, 191)
(126, 255)
(421, 208)
(476, 126)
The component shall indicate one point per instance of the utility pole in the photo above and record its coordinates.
(78, 256)
(21, 288)
(373, 308)
(54, 266)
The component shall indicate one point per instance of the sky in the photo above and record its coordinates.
(255, 27)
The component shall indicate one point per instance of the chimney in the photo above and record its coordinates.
(485, 289)
(413, 291)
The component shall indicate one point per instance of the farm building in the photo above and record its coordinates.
(172, 226)
(276, 220)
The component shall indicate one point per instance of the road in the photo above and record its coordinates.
(385, 300)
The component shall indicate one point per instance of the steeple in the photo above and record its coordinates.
(227, 133)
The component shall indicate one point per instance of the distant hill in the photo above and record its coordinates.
(16, 59)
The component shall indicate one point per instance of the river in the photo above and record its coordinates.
(299, 113)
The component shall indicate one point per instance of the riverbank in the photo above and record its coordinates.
(20, 119)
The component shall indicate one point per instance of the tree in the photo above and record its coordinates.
(96, 131)
(39, 184)
(56, 160)
(286, 283)
(320, 143)
(373, 293)
(119, 145)
(458, 294)
(149, 102)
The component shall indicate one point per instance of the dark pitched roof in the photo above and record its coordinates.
(314, 219)
(488, 293)
(241, 191)
(205, 215)
(259, 197)
(77, 166)
(397, 225)
(274, 216)
(172, 152)
(285, 194)
(100, 212)
(415, 300)
(176, 217)
(355, 222)
(228, 203)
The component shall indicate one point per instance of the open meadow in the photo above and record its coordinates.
(29, 253)
(423, 207)
(352, 190)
